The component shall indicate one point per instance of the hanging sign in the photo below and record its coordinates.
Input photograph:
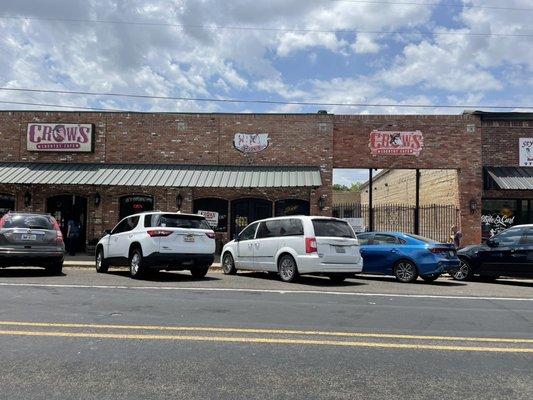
(210, 216)
(525, 149)
(250, 143)
(77, 138)
(396, 142)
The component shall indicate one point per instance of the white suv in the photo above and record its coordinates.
(295, 245)
(158, 241)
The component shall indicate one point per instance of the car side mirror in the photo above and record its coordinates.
(492, 243)
(236, 238)
(107, 232)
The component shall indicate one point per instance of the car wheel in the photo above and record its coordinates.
(405, 271)
(464, 273)
(288, 271)
(430, 278)
(199, 272)
(101, 264)
(337, 278)
(55, 268)
(228, 264)
(136, 264)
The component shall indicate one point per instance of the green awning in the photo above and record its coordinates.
(149, 175)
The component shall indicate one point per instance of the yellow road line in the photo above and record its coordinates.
(265, 331)
(253, 340)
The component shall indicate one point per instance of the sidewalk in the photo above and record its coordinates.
(83, 260)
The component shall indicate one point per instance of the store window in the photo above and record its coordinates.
(500, 214)
(7, 203)
(215, 212)
(292, 207)
(135, 204)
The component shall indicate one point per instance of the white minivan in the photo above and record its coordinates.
(295, 245)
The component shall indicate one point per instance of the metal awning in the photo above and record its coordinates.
(517, 178)
(149, 175)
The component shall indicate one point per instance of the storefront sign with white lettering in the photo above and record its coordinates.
(250, 143)
(396, 142)
(76, 138)
(526, 152)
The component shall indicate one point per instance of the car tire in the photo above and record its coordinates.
(430, 278)
(288, 270)
(137, 269)
(56, 268)
(228, 264)
(199, 272)
(405, 271)
(464, 273)
(337, 278)
(101, 264)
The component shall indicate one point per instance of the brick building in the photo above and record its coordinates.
(98, 167)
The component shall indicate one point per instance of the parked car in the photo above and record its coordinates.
(158, 241)
(509, 253)
(28, 239)
(291, 246)
(406, 256)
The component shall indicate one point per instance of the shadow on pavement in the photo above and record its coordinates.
(510, 283)
(164, 276)
(439, 282)
(26, 273)
(309, 280)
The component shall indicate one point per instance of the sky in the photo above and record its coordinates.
(394, 52)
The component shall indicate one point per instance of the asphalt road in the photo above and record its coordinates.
(90, 336)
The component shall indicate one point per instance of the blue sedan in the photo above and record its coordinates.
(406, 256)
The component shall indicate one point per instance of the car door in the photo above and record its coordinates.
(379, 255)
(502, 256)
(245, 247)
(523, 256)
(119, 244)
(266, 245)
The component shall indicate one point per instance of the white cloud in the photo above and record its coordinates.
(365, 44)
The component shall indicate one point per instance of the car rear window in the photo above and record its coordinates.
(28, 221)
(421, 238)
(177, 221)
(332, 228)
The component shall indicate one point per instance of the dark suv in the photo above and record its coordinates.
(28, 239)
(509, 253)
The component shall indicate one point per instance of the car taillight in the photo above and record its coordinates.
(159, 232)
(210, 235)
(310, 245)
(57, 228)
(2, 221)
(437, 250)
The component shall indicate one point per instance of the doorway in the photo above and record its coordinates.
(246, 211)
(65, 207)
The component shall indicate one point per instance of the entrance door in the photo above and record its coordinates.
(246, 211)
(67, 207)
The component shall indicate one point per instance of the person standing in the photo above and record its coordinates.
(455, 236)
(73, 234)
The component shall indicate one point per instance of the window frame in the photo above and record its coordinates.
(254, 235)
(396, 241)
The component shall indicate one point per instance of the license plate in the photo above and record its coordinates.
(340, 249)
(189, 238)
(29, 237)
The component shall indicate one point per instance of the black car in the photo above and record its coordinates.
(509, 253)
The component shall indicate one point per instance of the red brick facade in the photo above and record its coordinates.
(325, 141)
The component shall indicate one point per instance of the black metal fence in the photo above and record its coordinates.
(435, 220)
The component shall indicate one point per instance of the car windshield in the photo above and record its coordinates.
(179, 221)
(332, 228)
(28, 221)
(421, 238)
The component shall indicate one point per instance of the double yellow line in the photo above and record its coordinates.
(344, 339)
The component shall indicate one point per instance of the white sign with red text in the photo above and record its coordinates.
(250, 143)
(76, 138)
(210, 216)
(396, 142)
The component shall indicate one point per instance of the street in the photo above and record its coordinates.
(88, 335)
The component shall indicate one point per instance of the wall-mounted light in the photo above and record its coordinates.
(27, 199)
(179, 201)
(473, 206)
(97, 199)
(322, 202)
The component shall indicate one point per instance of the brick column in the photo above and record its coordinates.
(470, 184)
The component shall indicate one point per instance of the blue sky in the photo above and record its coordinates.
(313, 64)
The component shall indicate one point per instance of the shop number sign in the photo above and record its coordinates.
(60, 137)
(526, 152)
(396, 142)
(211, 217)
